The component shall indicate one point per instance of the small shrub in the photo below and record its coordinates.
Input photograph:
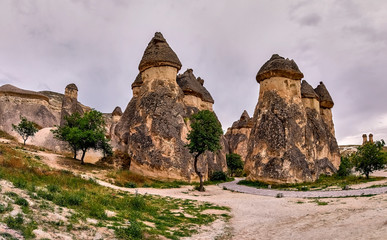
(21, 202)
(53, 188)
(15, 223)
(235, 164)
(303, 188)
(70, 199)
(345, 167)
(97, 211)
(134, 231)
(20, 183)
(218, 176)
(279, 195)
(130, 185)
(137, 202)
(2, 208)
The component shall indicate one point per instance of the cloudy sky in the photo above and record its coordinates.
(46, 44)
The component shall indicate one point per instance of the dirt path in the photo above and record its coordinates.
(267, 217)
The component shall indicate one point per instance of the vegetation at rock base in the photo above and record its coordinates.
(235, 164)
(204, 136)
(136, 216)
(25, 128)
(369, 157)
(322, 183)
(5, 135)
(84, 132)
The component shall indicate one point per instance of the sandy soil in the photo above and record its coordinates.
(260, 217)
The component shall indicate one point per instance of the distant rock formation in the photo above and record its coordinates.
(371, 138)
(292, 139)
(155, 124)
(238, 135)
(16, 102)
(70, 103)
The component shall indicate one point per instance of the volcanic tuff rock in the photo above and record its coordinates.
(289, 141)
(16, 102)
(238, 134)
(70, 103)
(155, 124)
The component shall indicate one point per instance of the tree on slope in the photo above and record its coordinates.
(369, 157)
(25, 128)
(84, 133)
(204, 136)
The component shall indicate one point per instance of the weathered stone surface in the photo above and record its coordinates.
(238, 134)
(195, 94)
(289, 141)
(279, 67)
(155, 124)
(325, 98)
(158, 53)
(16, 102)
(70, 103)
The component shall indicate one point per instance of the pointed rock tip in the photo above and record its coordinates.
(307, 90)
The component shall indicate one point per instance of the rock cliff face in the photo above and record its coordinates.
(16, 102)
(290, 141)
(238, 135)
(155, 124)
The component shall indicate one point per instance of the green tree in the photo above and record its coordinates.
(84, 132)
(369, 157)
(25, 128)
(234, 164)
(204, 136)
(345, 167)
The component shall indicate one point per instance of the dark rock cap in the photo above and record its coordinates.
(138, 81)
(193, 86)
(117, 111)
(325, 98)
(72, 86)
(278, 66)
(158, 53)
(307, 91)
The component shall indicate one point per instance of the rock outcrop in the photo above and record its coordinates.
(16, 102)
(291, 140)
(70, 103)
(155, 124)
(238, 135)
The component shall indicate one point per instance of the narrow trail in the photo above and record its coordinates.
(258, 214)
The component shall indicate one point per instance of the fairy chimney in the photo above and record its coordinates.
(116, 114)
(310, 98)
(364, 136)
(70, 102)
(136, 85)
(195, 94)
(288, 142)
(371, 138)
(326, 105)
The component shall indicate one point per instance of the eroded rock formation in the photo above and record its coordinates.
(291, 140)
(238, 135)
(155, 124)
(70, 103)
(16, 102)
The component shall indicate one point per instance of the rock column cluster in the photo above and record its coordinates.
(155, 124)
(292, 137)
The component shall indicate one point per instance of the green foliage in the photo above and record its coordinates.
(18, 223)
(369, 157)
(138, 202)
(235, 164)
(218, 176)
(134, 231)
(204, 135)
(345, 167)
(21, 202)
(25, 128)
(84, 132)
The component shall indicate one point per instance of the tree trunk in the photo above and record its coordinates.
(75, 154)
(83, 156)
(24, 141)
(201, 187)
(367, 175)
